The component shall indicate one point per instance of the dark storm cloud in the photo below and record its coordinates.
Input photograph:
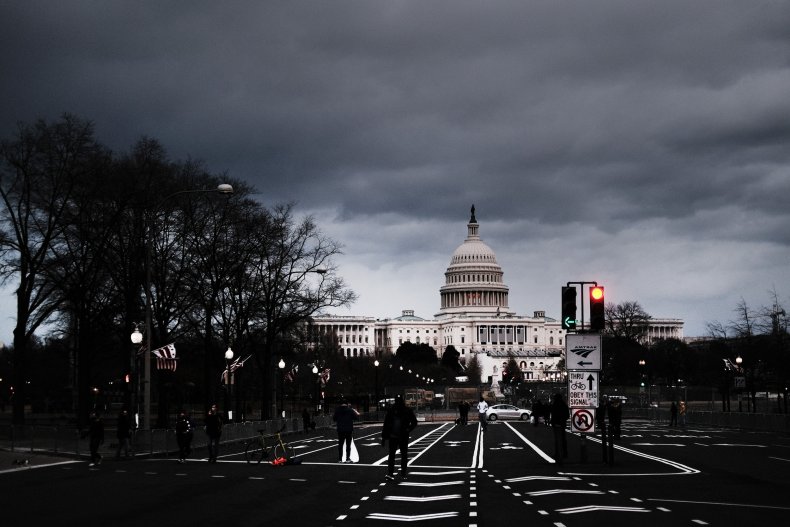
(550, 115)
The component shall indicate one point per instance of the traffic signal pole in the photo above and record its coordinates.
(572, 325)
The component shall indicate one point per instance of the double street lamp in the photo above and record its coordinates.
(137, 338)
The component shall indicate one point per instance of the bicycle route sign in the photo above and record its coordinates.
(583, 420)
(583, 389)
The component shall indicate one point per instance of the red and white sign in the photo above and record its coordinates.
(583, 420)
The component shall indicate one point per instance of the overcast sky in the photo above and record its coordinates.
(644, 145)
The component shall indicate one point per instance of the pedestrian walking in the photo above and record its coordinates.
(95, 437)
(673, 414)
(306, 420)
(123, 433)
(398, 424)
(682, 413)
(184, 435)
(559, 418)
(537, 411)
(482, 407)
(214, 432)
(345, 416)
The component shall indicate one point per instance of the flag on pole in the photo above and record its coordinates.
(291, 375)
(235, 365)
(165, 357)
(324, 377)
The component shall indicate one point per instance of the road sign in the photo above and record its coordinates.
(583, 420)
(583, 389)
(583, 352)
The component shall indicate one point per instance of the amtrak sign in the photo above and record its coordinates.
(583, 352)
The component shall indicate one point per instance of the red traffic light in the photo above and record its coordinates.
(597, 312)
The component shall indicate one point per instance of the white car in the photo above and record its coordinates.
(507, 411)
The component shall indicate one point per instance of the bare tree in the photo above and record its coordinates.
(39, 170)
(627, 320)
(289, 292)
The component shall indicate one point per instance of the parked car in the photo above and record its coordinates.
(507, 411)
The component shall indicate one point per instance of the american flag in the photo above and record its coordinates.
(324, 377)
(235, 365)
(166, 357)
(291, 375)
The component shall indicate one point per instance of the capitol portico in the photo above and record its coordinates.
(474, 317)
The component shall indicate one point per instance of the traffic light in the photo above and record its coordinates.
(568, 307)
(597, 319)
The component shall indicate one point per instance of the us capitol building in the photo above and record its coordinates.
(475, 318)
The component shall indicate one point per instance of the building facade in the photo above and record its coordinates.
(475, 318)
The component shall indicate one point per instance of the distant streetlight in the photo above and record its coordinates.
(281, 365)
(228, 383)
(317, 404)
(223, 188)
(376, 391)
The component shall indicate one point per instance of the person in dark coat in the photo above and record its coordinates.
(559, 419)
(673, 414)
(537, 411)
(123, 433)
(95, 436)
(345, 416)
(184, 436)
(398, 424)
(214, 432)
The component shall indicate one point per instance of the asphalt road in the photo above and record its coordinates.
(458, 476)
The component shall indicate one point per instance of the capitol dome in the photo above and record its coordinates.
(474, 280)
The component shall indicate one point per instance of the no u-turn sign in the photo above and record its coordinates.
(583, 420)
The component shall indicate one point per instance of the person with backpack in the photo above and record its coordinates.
(184, 436)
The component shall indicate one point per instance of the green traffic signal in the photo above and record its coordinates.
(568, 307)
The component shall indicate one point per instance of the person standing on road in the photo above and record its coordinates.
(465, 415)
(95, 436)
(559, 418)
(482, 407)
(673, 414)
(184, 436)
(345, 416)
(124, 433)
(306, 420)
(398, 424)
(537, 411)
(214, 432)
(682, 413)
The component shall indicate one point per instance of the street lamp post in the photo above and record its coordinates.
(228, 385)
(222, 189)
(738, 362)
(281, 366)
(316, 404)
(376, 389)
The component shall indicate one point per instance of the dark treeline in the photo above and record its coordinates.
(84, 229)
(753, 346)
